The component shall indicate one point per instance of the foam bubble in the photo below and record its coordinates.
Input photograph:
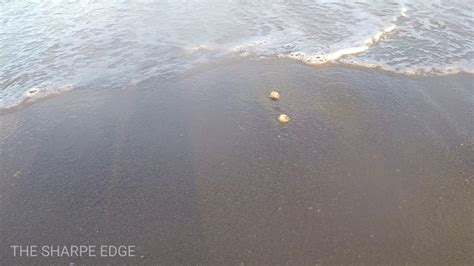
(403, 14)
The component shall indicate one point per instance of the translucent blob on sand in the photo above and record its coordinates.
(274, 95)
(283, 119)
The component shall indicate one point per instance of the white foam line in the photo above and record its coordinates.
(243, 50)
(417, 71)
(36, 93)
(346, 51)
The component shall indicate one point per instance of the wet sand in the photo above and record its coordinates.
(373, 168)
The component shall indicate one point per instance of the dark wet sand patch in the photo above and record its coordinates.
(372, 168)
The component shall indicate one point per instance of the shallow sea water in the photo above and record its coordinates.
(58, 45)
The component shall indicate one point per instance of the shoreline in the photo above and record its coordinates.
(234, 59)
(373, 168)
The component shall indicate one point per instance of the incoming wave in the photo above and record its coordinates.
(128, 43)
(351, 54)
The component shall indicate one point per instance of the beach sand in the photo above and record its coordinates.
(373, 168)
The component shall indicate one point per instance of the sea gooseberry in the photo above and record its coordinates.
(275, 95)
(283, 119)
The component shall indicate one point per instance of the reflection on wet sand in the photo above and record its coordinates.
(373, 168)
